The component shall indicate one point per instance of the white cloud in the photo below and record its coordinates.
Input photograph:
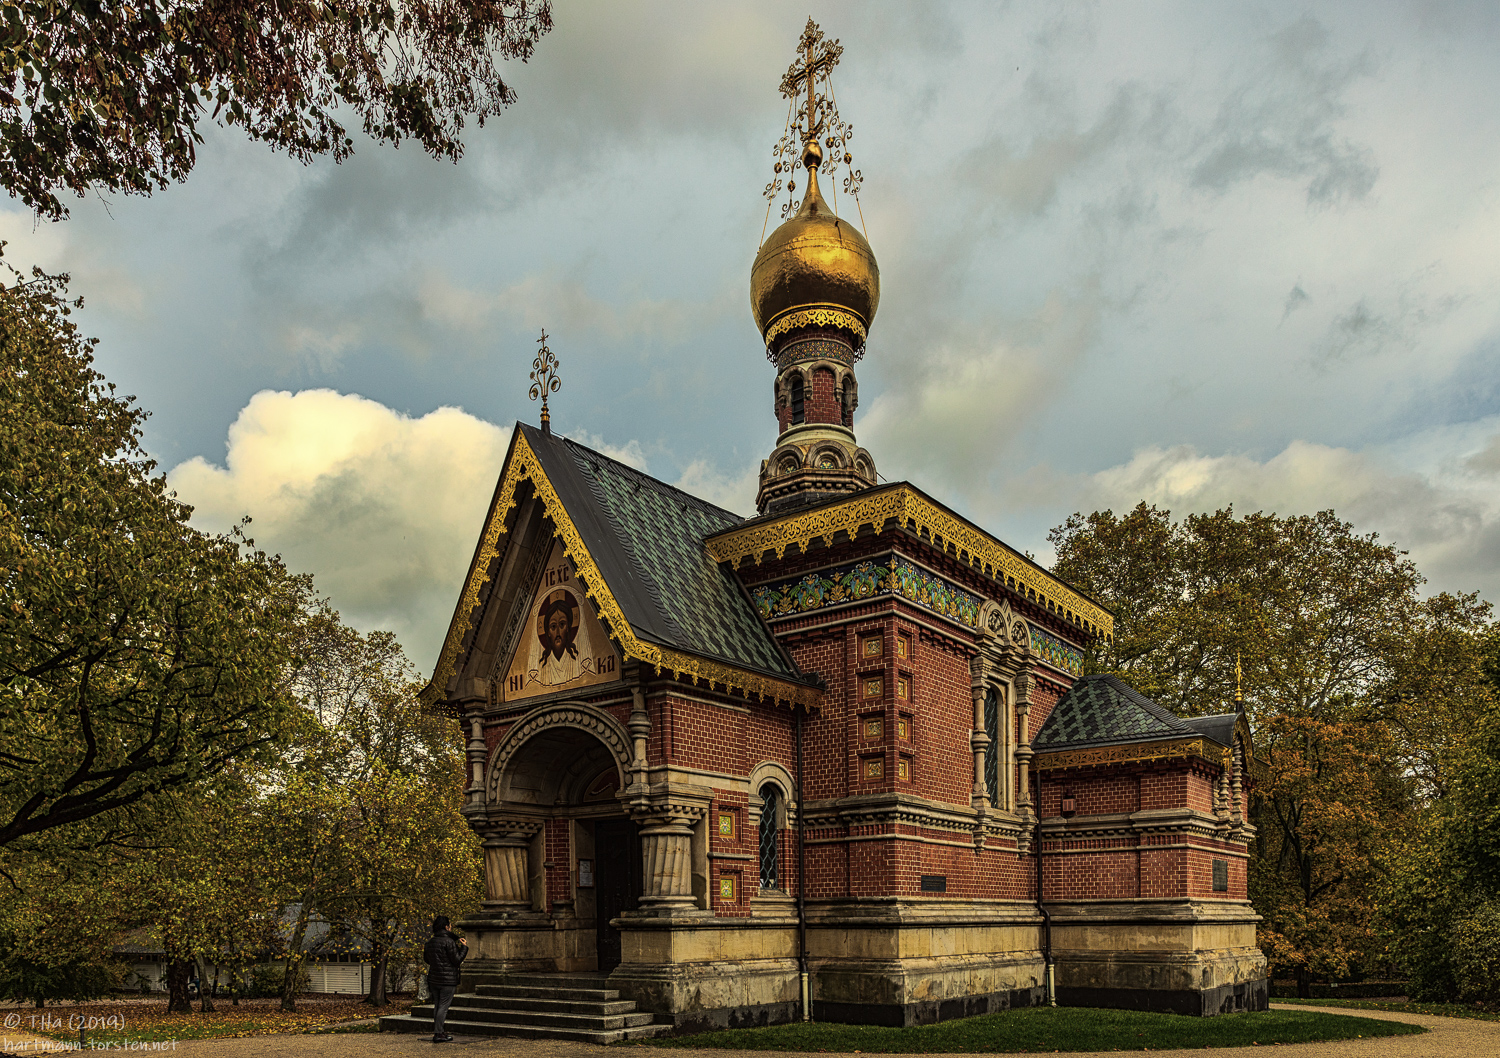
(630, 453)
(734, 491)
(1448, 520)
(381, 508)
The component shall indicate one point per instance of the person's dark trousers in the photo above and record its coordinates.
(442, 997)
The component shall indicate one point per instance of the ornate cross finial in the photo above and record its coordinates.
(1239, 696)
(816, 136)
(544, 379)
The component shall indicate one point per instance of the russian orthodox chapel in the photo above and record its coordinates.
(838, 759)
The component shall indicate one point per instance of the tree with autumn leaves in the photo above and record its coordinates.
(1362, 695)
(194, 747)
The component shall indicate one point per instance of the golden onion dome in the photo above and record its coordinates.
(814, 270)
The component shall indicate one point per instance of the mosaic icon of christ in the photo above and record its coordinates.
(563, 650)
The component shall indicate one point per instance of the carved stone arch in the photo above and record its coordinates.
(768, 771)
(786, 454)
(832, 451)
(994, 622)
(1020, 635)
(605, 729)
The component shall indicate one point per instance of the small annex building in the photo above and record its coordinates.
(842, 752)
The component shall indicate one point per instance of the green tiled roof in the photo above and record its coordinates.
(647, 538)
(1102, 710)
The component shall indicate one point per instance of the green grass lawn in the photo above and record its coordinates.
(1053, 1029)
(1441, 1010)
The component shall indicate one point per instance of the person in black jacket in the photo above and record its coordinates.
(444, 956)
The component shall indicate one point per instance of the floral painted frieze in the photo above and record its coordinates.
(1056, 652)
(865, 580)
(895, 576)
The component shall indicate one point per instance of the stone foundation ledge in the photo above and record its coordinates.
(1151, 909)
(702, 996)
(889, 911)
(1199, 983)
(920, 991)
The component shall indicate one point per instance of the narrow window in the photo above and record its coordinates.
(770, 837)
(797, 410)
(992, 756)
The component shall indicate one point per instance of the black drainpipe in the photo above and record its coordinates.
(1046, 916)
(802, 880)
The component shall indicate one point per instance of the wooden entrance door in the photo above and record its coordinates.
(617, 881)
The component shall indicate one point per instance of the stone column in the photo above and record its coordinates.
(1236, 791)
(507, 865)
(639, 725)
(472, 699)
(979, 738)
(666, 858)
(1022, 686)
(474, 795)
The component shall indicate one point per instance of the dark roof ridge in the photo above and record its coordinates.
(655, 482)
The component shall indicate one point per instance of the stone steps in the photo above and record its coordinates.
(538, 1006)
(407, 1023)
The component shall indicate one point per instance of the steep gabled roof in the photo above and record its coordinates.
(1104, 710)
(647, 539)
(637, 545)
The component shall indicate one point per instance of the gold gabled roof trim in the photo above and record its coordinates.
(524, 466)
(911, 510)
(1128, 754)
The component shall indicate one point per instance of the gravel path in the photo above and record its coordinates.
(1448, 1038)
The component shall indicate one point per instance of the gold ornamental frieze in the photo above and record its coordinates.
(1096, 756)
(913, 511)
(816, 317)
(524, 466)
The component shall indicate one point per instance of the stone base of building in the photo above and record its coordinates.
(1183, 957)
(927, 1011)
(899, 962)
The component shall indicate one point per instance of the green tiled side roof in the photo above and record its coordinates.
(669, 587)
(1101, 710)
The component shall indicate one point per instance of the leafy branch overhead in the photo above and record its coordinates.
(137, 654)
(110, 95)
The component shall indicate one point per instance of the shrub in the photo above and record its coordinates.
(265, 980)
(28, 981)
(1475, 952)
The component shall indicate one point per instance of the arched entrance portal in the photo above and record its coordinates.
(558, 845)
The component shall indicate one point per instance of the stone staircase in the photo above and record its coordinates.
(578, 1007)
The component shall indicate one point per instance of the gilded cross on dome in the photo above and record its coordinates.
(818, 56)
(813, 122)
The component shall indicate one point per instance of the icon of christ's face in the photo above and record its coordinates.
(558, 626)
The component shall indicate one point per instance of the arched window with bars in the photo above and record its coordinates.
(798, 400)
(992, 755)
(770, 836)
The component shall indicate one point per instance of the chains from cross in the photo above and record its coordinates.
(819, 121)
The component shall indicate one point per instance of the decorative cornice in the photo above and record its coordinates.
(1095, 756)
(816, 317)
(915, 512)
(523, 465)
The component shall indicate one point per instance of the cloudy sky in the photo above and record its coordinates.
(1196, 253)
